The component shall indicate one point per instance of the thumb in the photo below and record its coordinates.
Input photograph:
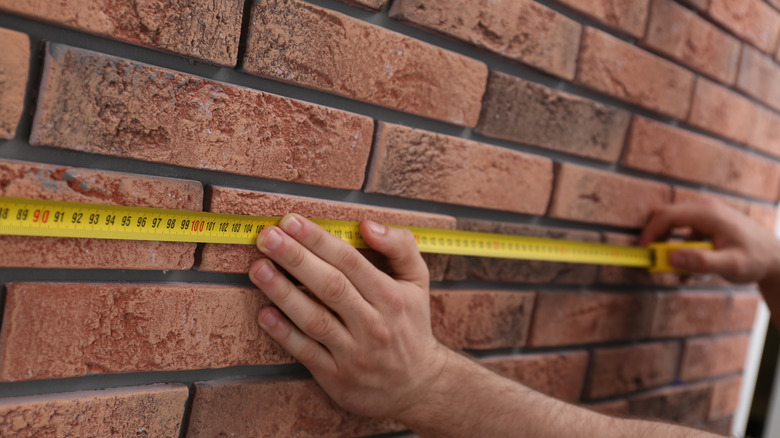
(703, 261)
(400, 248)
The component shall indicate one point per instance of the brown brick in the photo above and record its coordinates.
(589, 195)
(19, 179)
(303, 44)
(685, 195)
(374, 5)
(521, 30)
(725, 396)
(97, 103)
(699, 5)
(766, 132)
(418, 164)
(742, 311)
(686, 37)
(723, 112)
(479, 319)
(679, 404)
(752, 20)
(629, 16)
(624, 71)
(14, 66)
(53, 330)
(207, 30)
(155, 410)
(567, 318)
(664, 150)
(765, 215)
(217, 257)
(559, 375)
(759, 76)
(464, 268)
(279, 407)
(685, 314)
(620, 370)
(709, 357)
(551, 119)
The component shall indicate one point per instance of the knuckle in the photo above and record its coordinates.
(297, 258)
(335, 287)
(350, 261)
(308, 353)
(319, 326)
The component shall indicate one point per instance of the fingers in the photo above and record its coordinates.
(703, 218)
(725, 262)
(400, 248)
(303, 348)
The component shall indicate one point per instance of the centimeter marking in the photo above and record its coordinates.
(28, 217)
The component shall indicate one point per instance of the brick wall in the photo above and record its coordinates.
(565, 118)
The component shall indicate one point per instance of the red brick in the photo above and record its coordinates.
(685, 314)
(624, 71)
(155, 410)
(664, 150)
(567, 318)
(101, 104)
(699, 5)
(464, 268)
(418, 164)
(766, 132)
(14, 66)
(752, 20)
(629, 16)
(685, 195)
(723, 112)
(207, 30)
(480, 319)
(765, 215)
(53, 330)
(620, 370)
(709, 357)
(684, 36)
(551, 119)
(303, 44)
(742, 311)
(278, 407)
(759, 76)
(217, 257)
(679, 404)
(374, 5)
(725, 396)
(589, 195)
(521, 30)
(19, 179)
(559, 375)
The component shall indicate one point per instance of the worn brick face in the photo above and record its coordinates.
(296, 42)
(709, 357)
(686, 314)
(207, 30)
(521, 30)
(759, 76)
(551, 119)
(19, 179)
(628, 16)
(418, 164)
(742, 311)
(367, 4)
(683, 195)
(698, 5)
(725, 396)
(559, 375)
(680, 404)
(14, 66)
(102, 104)
(620, 370)
(157, 410)
(752, 20)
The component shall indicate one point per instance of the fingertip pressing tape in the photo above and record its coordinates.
(660, 252)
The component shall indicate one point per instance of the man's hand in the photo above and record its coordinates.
(368, 342)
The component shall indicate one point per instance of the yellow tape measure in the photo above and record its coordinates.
(29, 217)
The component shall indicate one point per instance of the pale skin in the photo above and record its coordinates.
(369, 343)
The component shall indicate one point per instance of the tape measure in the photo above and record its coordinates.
(29, 217)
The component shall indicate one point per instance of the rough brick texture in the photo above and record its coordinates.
(742, 311)
(588, 195)
(21, 179)
(14, 65)
(759, 77)
(620, 370)
(559, 375)
(155, 410)
(698, 5)
(680, 404)
(626, 72)
(464, 268)
(551, 119)
(53, 330)
(256, 407)
(752, 20)
(690, 39)
(682, 194)
(521, 30)
(97, 103)
(207, 30)
(419, 164)
(725, 395)
(628, 16)
(296, 42)
(686, 314)
(367, 4)
(709, 357)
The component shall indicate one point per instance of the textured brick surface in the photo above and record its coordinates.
(723, 112)
(725, 396)
(53, 330)
(418, 164)
(699, 5)
(551, 119)
(759, 76)
(766, 132)
(237, 258)
(752, 20)
(765, 215)
(21, 179)
(296, 42)
(709, 357)
(617, 68)
(102, 104)
(742, 311)
(688, 38)
(367, 4)
(683, 195)
(463, 268)
(559, 375)
(562, 318)
(207, 30)
(480, 319)
(686, 314)
(661, 149)
(522, 30)
(621, 370)
(154, 410)
(679, 404)
(14, 65)
(588, 195)
(256, 407)
(628, 16)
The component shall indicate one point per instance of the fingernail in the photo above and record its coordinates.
(271, 240)
(290, 224)
(267, 320)
(264, 273)
(377, 228)
(678, 260)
